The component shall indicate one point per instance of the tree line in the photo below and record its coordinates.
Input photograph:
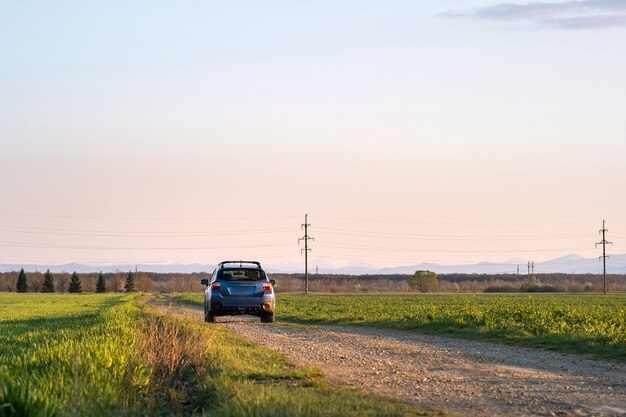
(420, 281)
(74, 285)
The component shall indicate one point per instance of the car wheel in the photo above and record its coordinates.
(268, 318)
(209, 317)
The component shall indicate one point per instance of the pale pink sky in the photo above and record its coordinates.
(430, 132)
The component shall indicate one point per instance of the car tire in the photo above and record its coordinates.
(209, 317)
(268, 318)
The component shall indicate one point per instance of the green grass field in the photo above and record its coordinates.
(105, 355)
(582, 324)
(71, 353)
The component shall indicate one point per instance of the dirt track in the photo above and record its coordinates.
(464, 378)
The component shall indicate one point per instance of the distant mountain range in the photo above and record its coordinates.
(616, 264)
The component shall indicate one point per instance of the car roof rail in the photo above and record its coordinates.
(258, 264)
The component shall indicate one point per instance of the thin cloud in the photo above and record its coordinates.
(589, 22)
(581, 14)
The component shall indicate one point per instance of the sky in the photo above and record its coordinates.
(453, 131)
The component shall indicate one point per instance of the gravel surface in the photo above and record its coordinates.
(464, 378)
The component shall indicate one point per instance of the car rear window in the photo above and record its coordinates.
(240, 274)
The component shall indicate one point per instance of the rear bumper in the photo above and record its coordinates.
(239, 310)
(223, 306)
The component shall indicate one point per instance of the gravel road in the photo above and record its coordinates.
(464, 378)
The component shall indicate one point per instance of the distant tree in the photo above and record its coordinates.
(21, 285)
(115, 283)
(89, 282)
(424, 281)
(62, 280)
(101, 286)
(143, 283)
(48, 282)
(35, 282)
(8, 280)
(129, 286)
(75, 285)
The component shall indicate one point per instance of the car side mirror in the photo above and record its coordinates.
(273, 281)
(204, 282)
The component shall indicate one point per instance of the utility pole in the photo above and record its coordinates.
(518, 270)
(528, 269)
(306, 251)
(604, 256)
(532, 268)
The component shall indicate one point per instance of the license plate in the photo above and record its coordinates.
(244, 290)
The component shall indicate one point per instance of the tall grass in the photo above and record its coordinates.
(69, 355)
(175, 352)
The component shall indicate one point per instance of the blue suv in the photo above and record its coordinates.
(239, 287)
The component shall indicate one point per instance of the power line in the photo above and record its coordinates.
(384, 235)
(345, 256)
(104, 233)
(306, 251)
(47, 216)
(452, 223)
(604, 256)
(363, 247)
(50, 246)
(160, 261)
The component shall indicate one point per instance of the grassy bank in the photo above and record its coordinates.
(105, 355)
(581, 324)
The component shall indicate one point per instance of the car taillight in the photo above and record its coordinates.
(267, 286)
(216, 286)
